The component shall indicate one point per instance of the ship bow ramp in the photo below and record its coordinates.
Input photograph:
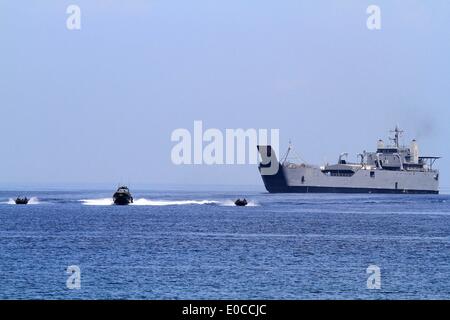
(271, 170)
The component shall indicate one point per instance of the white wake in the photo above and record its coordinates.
(97, 202)
(148, 202)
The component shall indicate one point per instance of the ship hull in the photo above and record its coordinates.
(312, 180)
(316, 189)
(122, 199)
(20, 201)
(121, 202)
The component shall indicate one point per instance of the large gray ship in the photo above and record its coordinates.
(391, 169)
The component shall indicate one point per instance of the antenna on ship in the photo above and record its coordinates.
(287, 152)
(397, 135)
(291, 149)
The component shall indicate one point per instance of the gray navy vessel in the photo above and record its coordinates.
(390, 169)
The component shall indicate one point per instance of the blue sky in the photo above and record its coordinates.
(98, 105)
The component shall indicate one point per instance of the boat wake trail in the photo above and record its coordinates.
(97, 202)
(161, 202)
(147, 202)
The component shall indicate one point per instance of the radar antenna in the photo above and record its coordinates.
(397, 133)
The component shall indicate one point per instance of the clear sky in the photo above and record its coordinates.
(98, 105)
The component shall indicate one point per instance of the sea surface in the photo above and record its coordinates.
(197, 245)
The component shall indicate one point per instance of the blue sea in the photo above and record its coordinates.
(183, 244)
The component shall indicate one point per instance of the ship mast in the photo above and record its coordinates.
(287, 152)
(397, 135)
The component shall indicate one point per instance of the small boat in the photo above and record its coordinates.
(122, 196)
(241, 203)
(22, 200)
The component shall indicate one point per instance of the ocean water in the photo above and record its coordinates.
(197, 245)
